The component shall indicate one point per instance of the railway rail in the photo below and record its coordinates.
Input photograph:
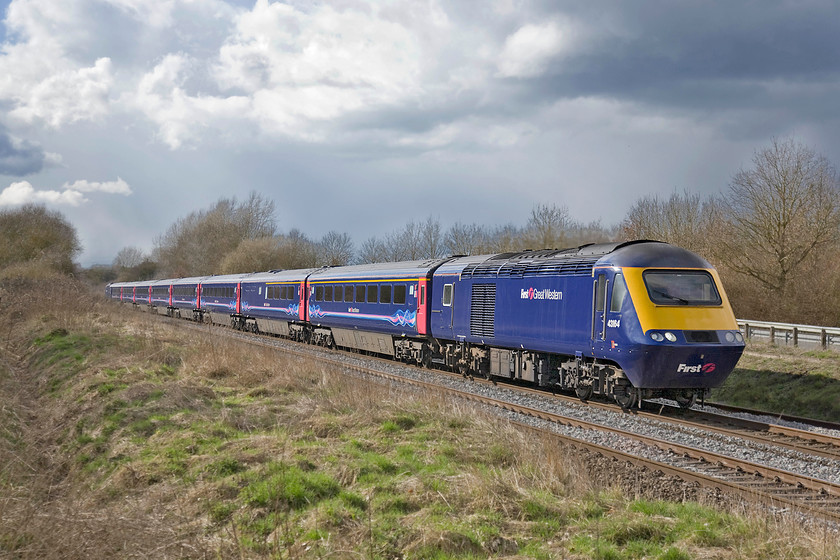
(754, 481)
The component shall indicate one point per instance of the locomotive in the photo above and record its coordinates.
(627, 321)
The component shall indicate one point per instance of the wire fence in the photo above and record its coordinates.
(784, 334)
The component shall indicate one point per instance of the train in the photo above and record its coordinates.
(627, 321)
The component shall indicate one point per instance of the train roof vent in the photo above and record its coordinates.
(484, 269)
(565, 267)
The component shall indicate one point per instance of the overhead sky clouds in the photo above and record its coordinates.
(357, 116)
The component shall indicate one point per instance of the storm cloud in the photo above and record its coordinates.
(19, 157)
(492, 106)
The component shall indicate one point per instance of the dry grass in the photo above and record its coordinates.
(123, 436)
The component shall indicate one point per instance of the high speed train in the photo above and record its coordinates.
(628, 321)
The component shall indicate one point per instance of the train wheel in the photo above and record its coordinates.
(627, 398)
(426, 357)
(584, 392)
(685, 399)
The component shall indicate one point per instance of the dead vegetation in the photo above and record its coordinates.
(125, 437)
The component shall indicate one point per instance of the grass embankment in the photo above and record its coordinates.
(134, 439)
(785, 381)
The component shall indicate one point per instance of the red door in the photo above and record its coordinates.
(303, 312)
(422, 306)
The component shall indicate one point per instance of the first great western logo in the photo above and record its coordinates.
(544, 294)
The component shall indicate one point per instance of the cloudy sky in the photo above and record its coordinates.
(359, 116)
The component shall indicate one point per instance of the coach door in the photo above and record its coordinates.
(599, 301)
(442, 316)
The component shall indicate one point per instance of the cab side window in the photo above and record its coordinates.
(600, 292)
(619, 292)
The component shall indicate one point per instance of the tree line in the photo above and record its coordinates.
(773, 235)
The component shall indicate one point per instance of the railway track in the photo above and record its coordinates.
(760, 431)
(778, 488)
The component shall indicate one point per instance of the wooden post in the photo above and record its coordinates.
(823, 339)
(795, 336)
(773, 335)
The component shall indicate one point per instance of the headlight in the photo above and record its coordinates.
(671, 336)
(739, 337)
(656, 337)
(730, 337)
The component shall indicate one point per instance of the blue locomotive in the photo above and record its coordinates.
(629, 321)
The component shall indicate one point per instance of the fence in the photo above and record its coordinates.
(807, 336)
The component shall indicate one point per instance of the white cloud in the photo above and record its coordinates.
(306, 67)
(23, 192)
(72, 194)
(529, 50)
(67, 97)
(181, 117)
(157, 13)
(115, 187)
(41, 78)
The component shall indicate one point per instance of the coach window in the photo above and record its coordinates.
(319, 293)
(399, 295)
(339, 293)
(447, 294)
(328, 293)
(372, 293)
(360, 293)
(385, 293)
(348, 293)
(619, 291)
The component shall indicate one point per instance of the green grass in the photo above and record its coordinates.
(292, 466)
(785, 381)
(653, 529)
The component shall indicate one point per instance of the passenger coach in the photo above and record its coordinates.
(381, 308)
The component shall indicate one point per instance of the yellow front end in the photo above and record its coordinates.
(678, 317)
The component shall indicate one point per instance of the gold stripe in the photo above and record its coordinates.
(380, 281)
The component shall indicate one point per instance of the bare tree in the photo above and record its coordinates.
(506, 238)
(431, 239)
(287, 251)
(253, 255)
(128, 257)
(335, 249)
(33, 234)
(372, 250)
(463, 239)
(547, 228)
(197, 243)
(593, 232)
(780, 213)
(684, 219)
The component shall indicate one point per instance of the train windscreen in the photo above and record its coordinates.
(681, 287)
